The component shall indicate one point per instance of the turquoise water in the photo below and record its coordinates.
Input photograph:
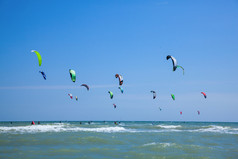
(125, 140)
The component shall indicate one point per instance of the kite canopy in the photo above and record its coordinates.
(70, 95)
(86, 86)
(154, 94)
(181, 113)
(72, 75)
(38, 56)
(204, 94)
(111, 94)
(120, 79)
(76, 98)
(43, 74)
(173, 60)
(114, 105)
(198, 112)
(173, 97)
(121, 89)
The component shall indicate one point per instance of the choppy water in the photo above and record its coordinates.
(126, 140)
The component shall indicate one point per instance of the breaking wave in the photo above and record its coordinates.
(67, 127)
(159, 144)
(57, 128)
(169, 126)
(217, 129)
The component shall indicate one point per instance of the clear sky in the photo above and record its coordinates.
(131, 37)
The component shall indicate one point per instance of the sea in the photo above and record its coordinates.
(124, 139)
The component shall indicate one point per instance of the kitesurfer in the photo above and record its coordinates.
(32, 123)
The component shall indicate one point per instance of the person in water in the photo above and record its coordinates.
(32, 123)
(38, 122)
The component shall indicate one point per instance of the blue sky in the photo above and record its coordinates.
(101, 38)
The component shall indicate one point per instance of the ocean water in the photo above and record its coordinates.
(126, 140)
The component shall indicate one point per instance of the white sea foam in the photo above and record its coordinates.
(102, 129)
(217, 129)
(66, 127)
(150, 144)
(166, 144)
(169, 126)
(160, 144)
(57, 128)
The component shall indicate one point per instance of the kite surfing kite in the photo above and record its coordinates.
(76, 98)
(160, 109)
(70, 95)
(114, 105)
(154, 94)
(86, 86)
(111, 94)
(121, 89)
(181, 113)
(173, 97)
(43, 74)
(120, 79)
(173, 61)
(38, 56)
(204, 94)
(198, 112)
(72, 75)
